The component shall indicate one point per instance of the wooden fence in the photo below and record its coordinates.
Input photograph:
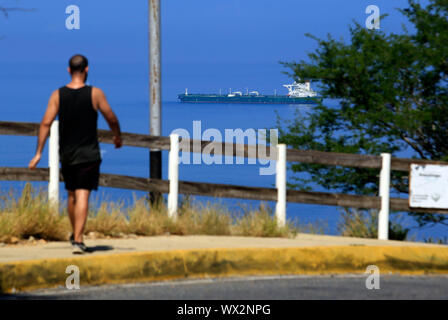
(224, 190)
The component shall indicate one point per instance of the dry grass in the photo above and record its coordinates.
(30, 215)
(358, 223)
(107, 220)
(364, 224)
(261, 223)
(145, 220)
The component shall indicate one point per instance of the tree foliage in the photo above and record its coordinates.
(393, 97)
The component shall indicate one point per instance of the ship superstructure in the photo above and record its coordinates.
(298, 93)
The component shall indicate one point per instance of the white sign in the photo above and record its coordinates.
(428, 186)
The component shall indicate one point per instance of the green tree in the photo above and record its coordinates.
(393, 97)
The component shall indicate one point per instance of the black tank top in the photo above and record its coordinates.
(78, 137)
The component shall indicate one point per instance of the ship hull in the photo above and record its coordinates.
(261, 99)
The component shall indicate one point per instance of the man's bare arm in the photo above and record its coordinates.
(44, 129)
(101, 104)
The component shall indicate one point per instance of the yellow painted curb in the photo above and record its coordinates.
(164, 265)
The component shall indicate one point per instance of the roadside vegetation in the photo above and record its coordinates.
(364, 224)
(29, 216)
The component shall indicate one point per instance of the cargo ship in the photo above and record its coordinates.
(298, 93)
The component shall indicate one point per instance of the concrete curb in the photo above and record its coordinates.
(165, 265)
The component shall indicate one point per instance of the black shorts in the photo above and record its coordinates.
(81, 176)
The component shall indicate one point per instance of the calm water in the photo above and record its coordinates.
(25, 89)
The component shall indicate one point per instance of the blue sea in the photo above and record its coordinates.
(26, 87)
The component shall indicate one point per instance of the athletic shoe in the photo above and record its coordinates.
(72, 239)
(79, 248)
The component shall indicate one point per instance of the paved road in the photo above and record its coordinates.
(268, 288)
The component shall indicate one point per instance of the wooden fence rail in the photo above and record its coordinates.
(247, 151)
(224, 190)
(279, 153)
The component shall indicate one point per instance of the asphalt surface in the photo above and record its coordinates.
(259, 288)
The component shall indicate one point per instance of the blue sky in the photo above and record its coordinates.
(206, 44)
(192, 31)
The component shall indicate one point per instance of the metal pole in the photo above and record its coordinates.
(173, 176)
(383, 218)
(155, 93)
(280, 180)
(53, 164)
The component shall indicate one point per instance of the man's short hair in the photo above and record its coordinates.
(78, 63)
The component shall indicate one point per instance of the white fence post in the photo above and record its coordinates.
(53, 164)
(173, 176)
(280, 182)
(383, 218)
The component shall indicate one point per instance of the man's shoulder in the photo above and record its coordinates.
(97, 92)
(55, 93)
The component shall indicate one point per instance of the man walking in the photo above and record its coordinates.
(77, 106)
